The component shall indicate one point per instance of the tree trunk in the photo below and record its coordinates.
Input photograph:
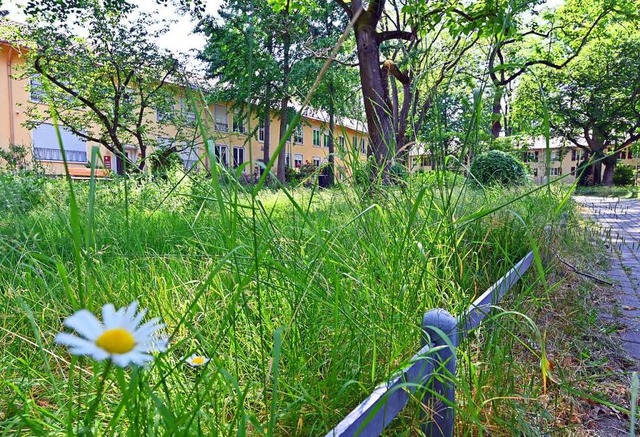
(374, 93)
(609, 166)
(330, 165)
(284, 103)
(496, 113)
(266, 155)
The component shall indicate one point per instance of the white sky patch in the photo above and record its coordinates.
(180, 38)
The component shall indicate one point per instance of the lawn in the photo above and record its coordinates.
(303, 300)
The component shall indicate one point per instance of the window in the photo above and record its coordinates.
(220, 114)
(187, 110)
(222, 155)
(162, 115)
(555, 171)
(298, 158)
(189, 156)
(629, 155)
(316, 137)
(238, 156)
(341, 141)
(47, 148)
(535, 172)
(316, 161)
(297, 135)
(164, 143)
(354, 144)
(131, 152)
(35, 88)
(326, 139)
(425, 161)
(531, 156)
(555, 155)
(261, 132)
(573, 171)
(239, 122)
(574, 155)
(363, 146)
(287, 160)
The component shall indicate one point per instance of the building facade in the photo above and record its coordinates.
(564, 160)
(235, 138)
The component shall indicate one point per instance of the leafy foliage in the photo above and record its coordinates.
(496, 167)
(624, 175)
(106, 88)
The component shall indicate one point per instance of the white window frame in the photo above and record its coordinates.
(298, 134)
(236, 150)
(239, 122)
(298, 157)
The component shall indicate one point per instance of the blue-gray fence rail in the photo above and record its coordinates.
(441, 332)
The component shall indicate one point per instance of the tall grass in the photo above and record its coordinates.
(304, 300)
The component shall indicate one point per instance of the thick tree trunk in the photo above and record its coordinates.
(375, 95)
(609, 166)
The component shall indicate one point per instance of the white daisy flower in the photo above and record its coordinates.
(119, 337)
(197, 360)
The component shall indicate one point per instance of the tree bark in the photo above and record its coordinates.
(332, 114)
(374, 92)
(496, 113)
(609, 167)
(284, 103)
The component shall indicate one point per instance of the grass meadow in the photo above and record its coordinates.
(303, 300)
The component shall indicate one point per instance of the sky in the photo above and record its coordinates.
(179, 39)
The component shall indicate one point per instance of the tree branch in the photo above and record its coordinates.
(394, 34)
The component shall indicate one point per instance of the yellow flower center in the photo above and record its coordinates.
(116, 341)
(198, 361)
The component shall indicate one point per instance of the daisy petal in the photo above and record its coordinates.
(138, 358)
(74, 341)
(130, 311)
(85, 324)
(137, 319)
(109, 316)
(147, 329)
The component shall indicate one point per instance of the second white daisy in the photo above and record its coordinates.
(119, 337)
(196, 360)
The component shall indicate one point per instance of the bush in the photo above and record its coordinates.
(20, 192)
(399, 173)
(163, 161)
(496, 167)
(624, 175)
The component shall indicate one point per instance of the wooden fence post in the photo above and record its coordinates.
(440, 328)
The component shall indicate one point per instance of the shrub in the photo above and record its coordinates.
(20, 192)
(624, 175)
(496, 167)
(398, 173)
(163, 161)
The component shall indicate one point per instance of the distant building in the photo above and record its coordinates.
(235, 140)
(565, 157)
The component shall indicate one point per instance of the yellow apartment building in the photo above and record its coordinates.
(233, 139)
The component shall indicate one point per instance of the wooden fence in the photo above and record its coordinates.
(434, 364)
